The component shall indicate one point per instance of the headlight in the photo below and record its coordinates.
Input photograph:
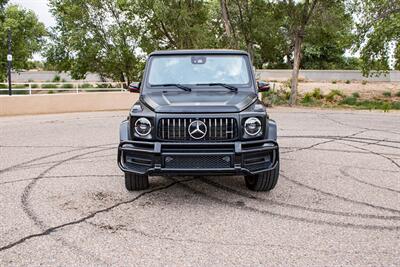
(252, 126)
(142, 126)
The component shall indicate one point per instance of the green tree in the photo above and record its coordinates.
(307, 26)
(327, 39)
(27, 36)
(378, 28)
(95, 36)
(174, 24)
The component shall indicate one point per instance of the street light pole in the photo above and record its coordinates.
(9, 59)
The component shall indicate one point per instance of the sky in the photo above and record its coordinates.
(39, 7)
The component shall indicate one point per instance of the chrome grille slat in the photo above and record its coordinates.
(218, 129)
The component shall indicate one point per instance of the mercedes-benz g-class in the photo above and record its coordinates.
(199, 114)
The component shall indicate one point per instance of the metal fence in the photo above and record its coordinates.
(61, 87)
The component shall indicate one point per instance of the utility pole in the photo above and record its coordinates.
(9, 59)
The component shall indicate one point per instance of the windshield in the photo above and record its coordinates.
(198, 70)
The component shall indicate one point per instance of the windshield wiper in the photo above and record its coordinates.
(230, 87)
(177, 85)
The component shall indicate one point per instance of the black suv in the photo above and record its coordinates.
(198, 114)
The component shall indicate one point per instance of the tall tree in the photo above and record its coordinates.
(298, 16)
(327, 39)
(95, 36)
(378, 30)
(173, 24)
(27, 36)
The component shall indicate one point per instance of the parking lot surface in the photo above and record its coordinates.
(63, 200)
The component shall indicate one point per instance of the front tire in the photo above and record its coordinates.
(265, 181)
(134, 182)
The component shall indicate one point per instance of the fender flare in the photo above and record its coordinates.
(124, 131)
(272, 130)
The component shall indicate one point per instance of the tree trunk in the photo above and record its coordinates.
(225, 18)
(296, 67)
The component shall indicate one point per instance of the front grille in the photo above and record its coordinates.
(218, 129)
(197, 161)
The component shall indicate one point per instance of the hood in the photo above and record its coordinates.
(198, 101)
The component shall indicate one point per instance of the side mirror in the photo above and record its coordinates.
(134, 88)
(263, 86)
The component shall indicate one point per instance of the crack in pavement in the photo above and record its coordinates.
(325, 116)
(375, 153)
(63, 176)
(340, 197)
(245, 207)
(50, 230)
(345, 173)
(338, 136)
(323, 142)
(48, 156)
(285, 204)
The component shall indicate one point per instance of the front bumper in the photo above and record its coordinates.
(238, 158)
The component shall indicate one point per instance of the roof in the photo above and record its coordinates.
(200, 52)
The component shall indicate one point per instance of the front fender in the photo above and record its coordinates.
(124, 131)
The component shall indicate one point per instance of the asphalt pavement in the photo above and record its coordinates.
(337, 203)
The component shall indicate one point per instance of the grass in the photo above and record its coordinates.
(387, 94)
(276, 97)
(338, 98)
(334, 95)
(317, 93)
(349, 100)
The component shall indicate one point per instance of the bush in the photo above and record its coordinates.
(276, 97)
(67, 85)
(34, 85)
(56, 79)
(308, 98)
(104, 85)
(349, 100)
(334, 95)
(317, 94)
(3, 86)
(356, 94)
(334, 81)
(50, 92)
(19, 86)
(398, 93)
(364, 82)
(396, 105)
(86, 85)
(348, 82)
(387, 94)
(287, 84)
(49, 85)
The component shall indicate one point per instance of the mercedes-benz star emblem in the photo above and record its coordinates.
(197, 129)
